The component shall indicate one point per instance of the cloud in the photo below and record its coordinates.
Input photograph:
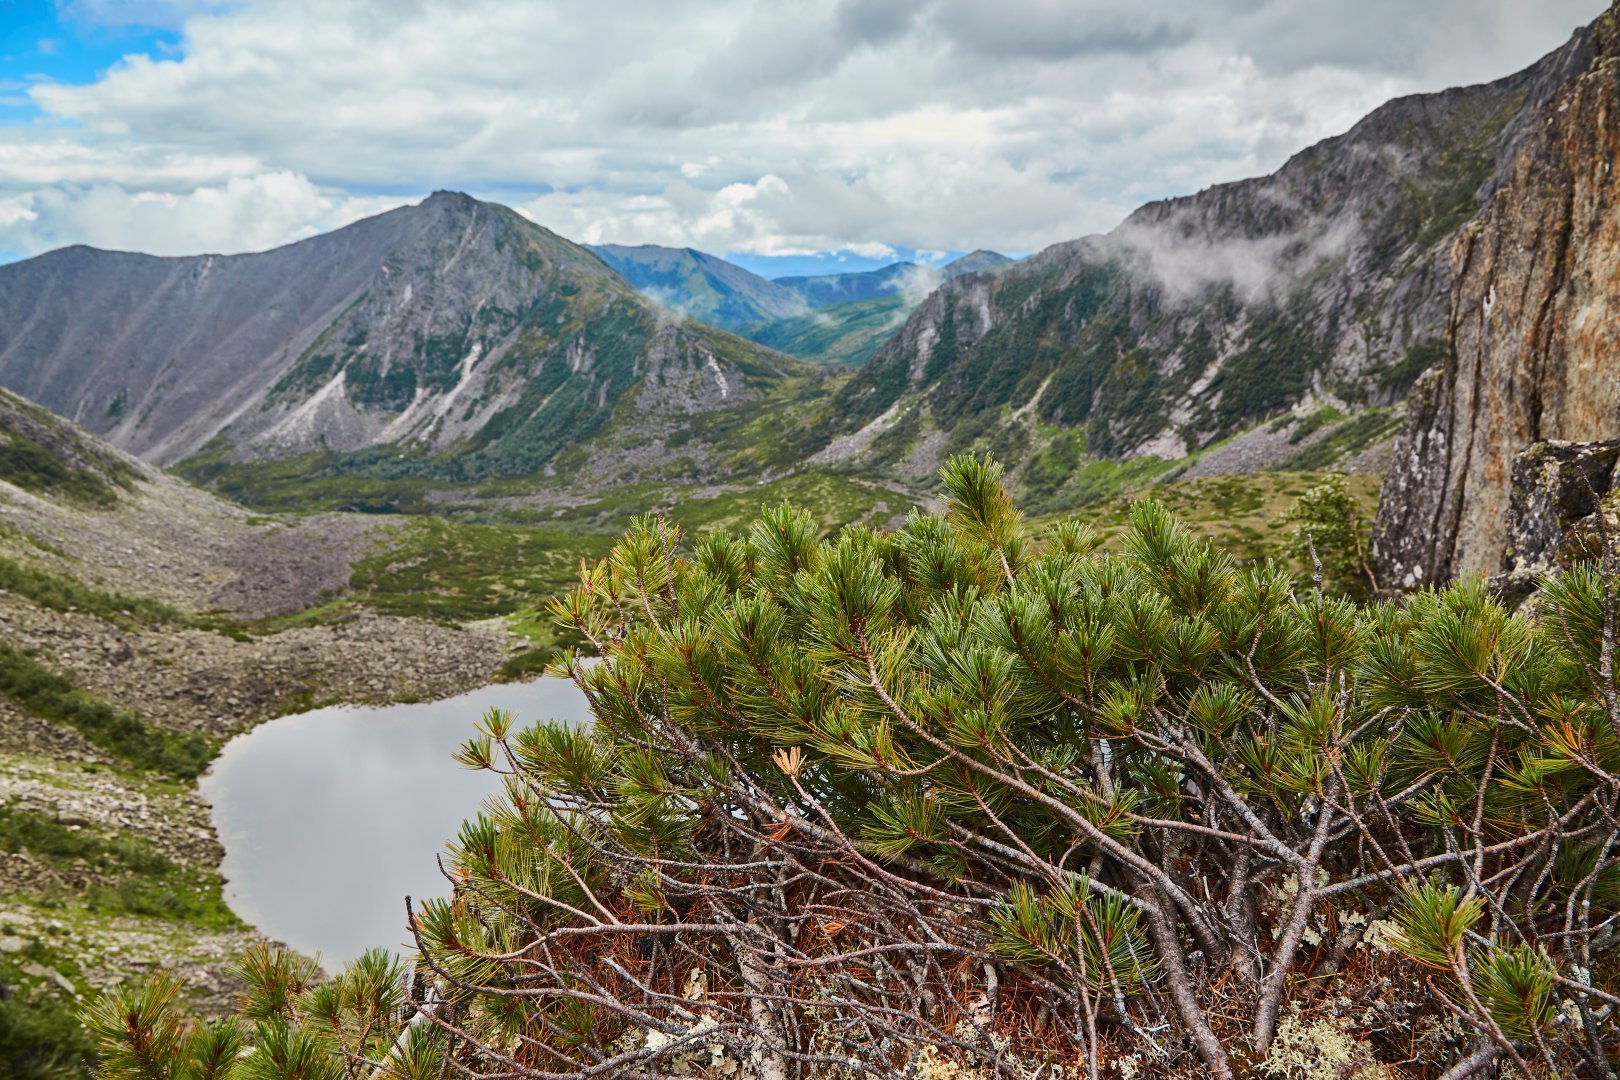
(734, 125)
(151, 14)
(1055, 30)
(243, 214)
(1186, 263)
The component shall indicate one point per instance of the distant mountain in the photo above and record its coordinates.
(896, 279)
(839, 334)
(462, 337)
(977, 262)
(1201, 318)
(701, 286)
(853, 314)
(789, 313)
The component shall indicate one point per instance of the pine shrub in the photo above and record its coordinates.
(955, 800)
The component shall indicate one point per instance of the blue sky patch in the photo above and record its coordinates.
(47, 40)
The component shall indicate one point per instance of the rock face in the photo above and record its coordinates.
(1559, 489)
(451, 326)
(1532, 348)
(1200, 316)
(1556, 486)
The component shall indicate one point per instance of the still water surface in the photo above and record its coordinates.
(330, 818)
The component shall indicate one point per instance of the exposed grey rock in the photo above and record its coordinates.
(1555, 486)
(454, 325)
(1413, 506)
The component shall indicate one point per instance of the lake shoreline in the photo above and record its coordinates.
(328, 818)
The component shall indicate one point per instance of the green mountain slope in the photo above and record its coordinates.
(701, 286)
(841, 334)
(453, 339)
(1200, 318)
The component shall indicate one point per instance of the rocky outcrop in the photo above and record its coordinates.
(1559, 488)
(1532, 338)
(1556, 486)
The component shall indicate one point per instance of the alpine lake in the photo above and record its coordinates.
(330, 818)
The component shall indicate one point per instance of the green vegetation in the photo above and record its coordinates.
(455, 571)
(303, 483)
(41, 453)
(1350, 437)
(127, 875)
(1329, 536)
(1271, 372)
(848, 334)
(40, 1034)
(1418, 359)
(1243, 514)
(54, 697)
(60, 593)
(1062, 477)
(959, 797)
(1309, 426)
(32, 467)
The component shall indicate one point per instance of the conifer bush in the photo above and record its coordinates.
(957, 800)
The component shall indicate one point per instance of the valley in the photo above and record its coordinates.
(360, 469)
(144, 623)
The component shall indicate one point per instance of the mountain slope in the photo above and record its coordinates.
(839, 334)
(906, 279)
(896, 279)
(827, 318)
(1201, 316)
(1532, 349)
(701, 286)
(453, 329)
(854, 314)
(976, 262)
(115, 691)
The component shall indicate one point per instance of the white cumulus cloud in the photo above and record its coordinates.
(731, 125)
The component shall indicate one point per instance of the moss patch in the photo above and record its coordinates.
(59, 593)
(54, 697)
(128, 876)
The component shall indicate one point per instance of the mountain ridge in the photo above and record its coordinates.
(1531, 351)
(1201, 316)
(711, 289)
(453, 326)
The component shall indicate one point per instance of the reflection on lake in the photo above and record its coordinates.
(330, 818)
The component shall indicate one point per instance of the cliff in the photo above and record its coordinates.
(1532, 337)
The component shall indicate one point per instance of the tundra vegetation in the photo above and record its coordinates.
(964, 800)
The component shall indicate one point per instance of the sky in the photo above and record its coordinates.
(789, 135)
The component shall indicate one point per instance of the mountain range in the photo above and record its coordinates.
(832, 318)
(455, 328)
(1280, 321)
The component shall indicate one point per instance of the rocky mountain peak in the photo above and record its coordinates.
(447, 327)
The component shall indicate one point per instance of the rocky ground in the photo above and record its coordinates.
(208, 682)
(173, 542)
(222, 567)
